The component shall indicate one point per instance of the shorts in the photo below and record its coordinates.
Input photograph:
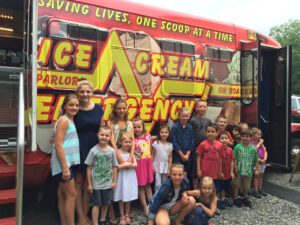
(81, 168)
(262, 168)
(242, 182)
(217, 185)
(225, 185)
(59, 177)
(102, 197)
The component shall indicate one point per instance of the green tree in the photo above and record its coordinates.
(289, 34)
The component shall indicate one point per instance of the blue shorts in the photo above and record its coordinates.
(217, 185)
(225, 185)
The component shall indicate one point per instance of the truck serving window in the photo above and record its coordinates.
(177, 46)
(221, 54)
(64, 30)
(132, 40)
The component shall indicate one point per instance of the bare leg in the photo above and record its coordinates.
(95, 214)
(79, 181)
(255, 183)
(122, 210)
(260, 181)
(104, 209)
(127, 208)
(69, 190)
(111, 212)
(162, 217)
(86, 200)
(148, 193)
(142, 198)
(182, 210)
(61, 200)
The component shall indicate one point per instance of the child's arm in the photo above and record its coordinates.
(232, 169)
(221, 175)
(199, 172)
(211, 210)
(194, 193)
(112, 138)
(124, 165)
(175, 142)
(61, 130)
(114, 181)
(132, 146)
(89, 178)
(265, 153)
(134, 164)
(169, 163)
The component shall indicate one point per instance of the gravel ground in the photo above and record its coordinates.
(269, 210)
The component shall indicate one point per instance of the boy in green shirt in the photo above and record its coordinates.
(246, 158)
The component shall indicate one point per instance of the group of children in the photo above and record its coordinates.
(122, 166)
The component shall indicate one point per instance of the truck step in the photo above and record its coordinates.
(8, 221)
(7, 196)
(8, 170)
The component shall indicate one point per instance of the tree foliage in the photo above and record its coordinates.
(289, 34)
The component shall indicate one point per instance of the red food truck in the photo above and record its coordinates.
(158, 60)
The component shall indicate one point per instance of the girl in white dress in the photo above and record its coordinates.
(127, 186)
(162, 155)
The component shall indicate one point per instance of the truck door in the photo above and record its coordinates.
(265, 97)
(275, 104)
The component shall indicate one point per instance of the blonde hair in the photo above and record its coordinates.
(137, 119)
(113, 116)
(176, 165)
(124, 135)
(84, 82)
(210, 181)
(104, 128)
(255, 130)
(181, 110)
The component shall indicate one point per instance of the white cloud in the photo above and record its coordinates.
(259, 15)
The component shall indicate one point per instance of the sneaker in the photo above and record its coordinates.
(221, 205)
(218, 213)
(103, 222)
(262, 192)
(256, 194)
(228, 202)
(251, 191)
(246, 202)
(238, 202)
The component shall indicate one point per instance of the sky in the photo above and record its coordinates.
(258, 15)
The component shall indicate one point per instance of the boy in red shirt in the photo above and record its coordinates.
(209, 162)
(227, 169)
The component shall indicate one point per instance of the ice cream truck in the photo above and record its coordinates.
(158, 61)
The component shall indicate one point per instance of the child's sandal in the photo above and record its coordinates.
(113, 221)
(127, 219)
(122, 221)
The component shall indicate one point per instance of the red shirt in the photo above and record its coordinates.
(210, 158)
(227, 158)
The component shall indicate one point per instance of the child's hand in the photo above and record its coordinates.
(168, 173)
(221, 175)
(185, 200)
(199, 173)
(90, 188)
(113, 185)
(232, 176)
